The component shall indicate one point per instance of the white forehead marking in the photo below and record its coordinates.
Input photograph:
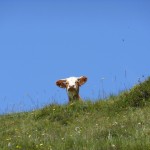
(72, 80)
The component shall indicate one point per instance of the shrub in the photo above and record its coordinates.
(138, 96)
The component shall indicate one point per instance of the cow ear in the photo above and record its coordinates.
(82, 80)
(61, 83)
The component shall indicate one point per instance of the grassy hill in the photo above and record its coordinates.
(117, 123)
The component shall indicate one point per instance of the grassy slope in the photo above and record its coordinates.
(115, 123)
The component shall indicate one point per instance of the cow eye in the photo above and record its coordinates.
(77, 82)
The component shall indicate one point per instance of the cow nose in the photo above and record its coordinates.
(71, 86)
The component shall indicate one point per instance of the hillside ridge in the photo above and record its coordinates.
(118, 122)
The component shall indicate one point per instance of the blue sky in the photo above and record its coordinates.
(43, 41)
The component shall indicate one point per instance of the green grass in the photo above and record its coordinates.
(117, 123)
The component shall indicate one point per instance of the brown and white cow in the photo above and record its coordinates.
(72, 85)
